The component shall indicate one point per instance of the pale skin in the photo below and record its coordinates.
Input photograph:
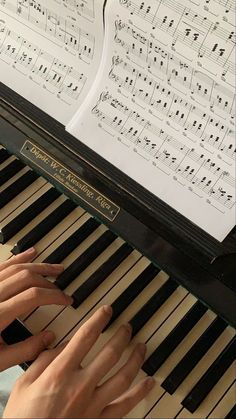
(22, 289)
(55, 385)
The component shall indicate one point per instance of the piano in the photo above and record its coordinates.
(122, 246)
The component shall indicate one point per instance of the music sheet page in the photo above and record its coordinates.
(50, 51)
(164, 107)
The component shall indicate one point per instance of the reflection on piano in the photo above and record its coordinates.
(182, 309)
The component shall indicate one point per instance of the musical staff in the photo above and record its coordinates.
(198, 170)
(175, 70)
(61, 29)
(203, 37)
(228, 5)
(84, 8)
(188, 116)
(39, 66)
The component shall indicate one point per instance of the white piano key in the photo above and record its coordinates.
(7, 162)
(177, 304)
(40, 318)
(163, 407)
(55, 242)
(140, 410)
(44, 315)
(70, 317)
(58, 230)
(23, 201)
(185, 345)
(57, 236)
(10, 243)
(161, 318)
(14, 178)
(213, 398)
(103, 257)
(137, 303)
(221, 409)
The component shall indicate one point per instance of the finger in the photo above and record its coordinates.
(24, 257)
(26, 269)
(84, 339)
(42, 362)
(122, 380)
(14, 285)
(29, 300)
(110, 354)
(27, 350)
(124, 404)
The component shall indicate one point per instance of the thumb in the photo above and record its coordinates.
(27, 350)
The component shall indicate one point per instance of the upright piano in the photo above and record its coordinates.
(120, 245)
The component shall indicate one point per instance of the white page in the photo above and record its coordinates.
(50, 51)
(163, 111)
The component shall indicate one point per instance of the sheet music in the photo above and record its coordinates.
(50, 51)
(164, 107)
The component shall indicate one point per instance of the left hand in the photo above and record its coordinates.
(22, 289)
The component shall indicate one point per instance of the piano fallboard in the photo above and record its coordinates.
(205, 278)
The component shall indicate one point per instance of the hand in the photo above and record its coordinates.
(22, 289)
(56, 386)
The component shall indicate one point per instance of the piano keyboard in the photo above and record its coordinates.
(190, 351)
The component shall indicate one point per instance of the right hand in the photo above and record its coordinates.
(56, 385)
(22, 289)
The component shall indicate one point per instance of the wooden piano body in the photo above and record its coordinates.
(192, 287)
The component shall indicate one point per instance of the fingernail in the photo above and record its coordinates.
(69, 298)
(150, 382)
(142, 349)
(108, 310)
(57, 267)
(30, 250)
(48, 337)
(128, 327)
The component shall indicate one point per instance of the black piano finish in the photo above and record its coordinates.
(164, 236)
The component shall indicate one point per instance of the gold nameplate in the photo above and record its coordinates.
(69, 180)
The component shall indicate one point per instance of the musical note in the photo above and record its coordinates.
(40, 65)
(191, 118)
(63, 30)
(176, 71)
(84, 8)
(197, 169)
(202, 36)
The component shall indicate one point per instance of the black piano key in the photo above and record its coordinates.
(18, 186)
(4, 155)
(43, 228)
(84, 260)
(194, 355)
(132, 291)
(10, 170)
(206, 383)
(62, 251)
(22, 219)
(232, 413)
(100, 274)
(15, 333)
(164, 350)
(152, 305)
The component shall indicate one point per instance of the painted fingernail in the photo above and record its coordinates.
(108, 310)
(48, 337)
(150, 382)
(142, 349)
